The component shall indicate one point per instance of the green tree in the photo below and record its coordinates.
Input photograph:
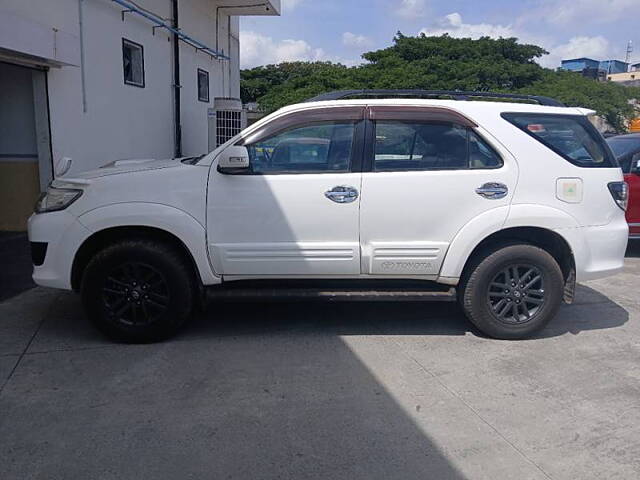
(439, 63)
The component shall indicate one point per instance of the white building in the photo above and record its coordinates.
(99, 80)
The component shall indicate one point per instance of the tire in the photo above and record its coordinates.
(138, 291)
(500, 310)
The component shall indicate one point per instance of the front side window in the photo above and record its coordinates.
(430, 146)
(314, 148)
(570, 136)
(133, 63)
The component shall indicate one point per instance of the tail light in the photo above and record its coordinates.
(620, 193)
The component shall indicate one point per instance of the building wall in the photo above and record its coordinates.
(614, 66)
(624, 77)
(579, 65)
(113, 120)
(202, 19)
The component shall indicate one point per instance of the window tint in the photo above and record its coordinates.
(428, 146)
(133, 63)
(320, 147)
(571, 137)
(482, 155)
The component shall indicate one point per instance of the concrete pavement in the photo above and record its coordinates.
(357, 391)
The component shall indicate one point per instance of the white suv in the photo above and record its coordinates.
(502, 205)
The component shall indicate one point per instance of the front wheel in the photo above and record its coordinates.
(138, 291)
(513, 292)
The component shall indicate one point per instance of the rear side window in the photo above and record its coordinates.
(403, 146)
(570, 136)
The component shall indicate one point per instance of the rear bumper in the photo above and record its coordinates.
(62, 234)
(598, 251)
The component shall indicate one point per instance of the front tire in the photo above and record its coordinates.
(138, 291)
(512, 292)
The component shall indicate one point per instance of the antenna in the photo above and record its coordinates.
(629, 51)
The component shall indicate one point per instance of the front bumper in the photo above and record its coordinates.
(63, 235)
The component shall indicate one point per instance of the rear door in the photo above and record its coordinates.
(428, 172)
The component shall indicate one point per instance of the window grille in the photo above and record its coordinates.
(228, 125)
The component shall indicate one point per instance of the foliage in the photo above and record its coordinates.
(610, 100)
(436, 63)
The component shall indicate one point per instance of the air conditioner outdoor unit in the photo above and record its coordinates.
(226, 119)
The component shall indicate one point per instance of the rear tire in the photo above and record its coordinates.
(138, 291)
(512, 292)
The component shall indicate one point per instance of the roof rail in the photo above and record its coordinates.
(453, 94)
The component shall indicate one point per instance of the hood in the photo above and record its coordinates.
(124, 166)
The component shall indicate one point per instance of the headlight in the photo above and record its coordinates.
(55, 199)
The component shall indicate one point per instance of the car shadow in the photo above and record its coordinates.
(591, 311)
(633, 249)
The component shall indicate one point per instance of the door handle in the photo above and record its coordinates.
(493, 190)
(342, 194)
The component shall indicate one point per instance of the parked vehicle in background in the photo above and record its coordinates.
(627, 150)
(505, 204)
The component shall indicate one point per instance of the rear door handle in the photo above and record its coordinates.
(493, 190)
(342, 194)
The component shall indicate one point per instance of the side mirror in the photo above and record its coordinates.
(233, 160)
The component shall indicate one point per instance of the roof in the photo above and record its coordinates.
(435, 94)
(472, 108)
(579, 60)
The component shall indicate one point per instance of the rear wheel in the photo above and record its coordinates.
(138, 291)
(512, 292)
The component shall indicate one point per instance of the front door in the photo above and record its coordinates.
(428, 172)
(295, 212)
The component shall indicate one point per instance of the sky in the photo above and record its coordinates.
(340, 30)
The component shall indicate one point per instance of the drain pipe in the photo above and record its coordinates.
(176, 83)
(82, 72)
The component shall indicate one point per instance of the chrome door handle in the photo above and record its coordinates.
(492, 190)
(342, 194)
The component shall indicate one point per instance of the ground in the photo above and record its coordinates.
(307, 390)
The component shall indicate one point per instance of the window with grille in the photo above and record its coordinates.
(228, 125)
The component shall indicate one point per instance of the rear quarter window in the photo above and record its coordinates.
(570, 136)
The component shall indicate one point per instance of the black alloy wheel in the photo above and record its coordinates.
(516, 294)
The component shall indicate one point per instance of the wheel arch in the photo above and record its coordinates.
(550, 241)
(525, 223)
(108, 236)
(151, 220)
